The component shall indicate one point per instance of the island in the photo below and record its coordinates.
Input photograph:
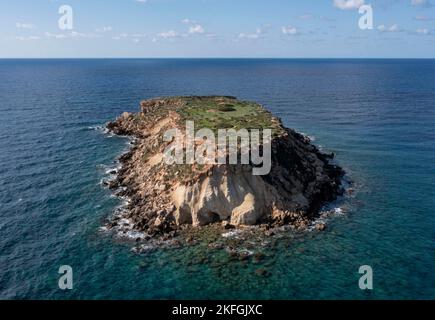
(164, 197)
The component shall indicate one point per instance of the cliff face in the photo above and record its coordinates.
(163, 197)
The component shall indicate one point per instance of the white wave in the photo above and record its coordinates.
(246, 251)
(230, 234)
(96, 127)
(134, 234)
(338, 211)
(310, 137)
(112, 170)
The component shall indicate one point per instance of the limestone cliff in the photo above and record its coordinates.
(163, 197)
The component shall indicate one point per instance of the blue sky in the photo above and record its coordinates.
(217, 28)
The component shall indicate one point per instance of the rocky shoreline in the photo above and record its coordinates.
(301, 182)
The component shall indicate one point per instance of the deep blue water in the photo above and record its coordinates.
(378, 116)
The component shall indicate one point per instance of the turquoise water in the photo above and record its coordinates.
(378, 116)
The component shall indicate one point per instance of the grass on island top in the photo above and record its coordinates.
(227, 113)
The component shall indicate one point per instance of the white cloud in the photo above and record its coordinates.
(70, 35)
(348, 4)
(259, 32)
(138, 35)
(249, 35)
(422, 3)
(20, 25)
(75, 34)
(255, 35)
(392, 28)
(27, 38)
(423, 18)
(123, 35)
(419, 2)
(141, 1)
(264, 28)
(133, 36)
(168, 34)
(104, 29)
(289, 30)
(422, 31)
(196, 28)
(56, 35)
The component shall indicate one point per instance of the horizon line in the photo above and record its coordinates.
(221, 58)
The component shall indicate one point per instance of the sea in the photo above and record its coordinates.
(377, 116)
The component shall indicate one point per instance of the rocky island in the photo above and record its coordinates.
(164, 198)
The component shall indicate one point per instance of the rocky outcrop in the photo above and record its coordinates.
(164, 197)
